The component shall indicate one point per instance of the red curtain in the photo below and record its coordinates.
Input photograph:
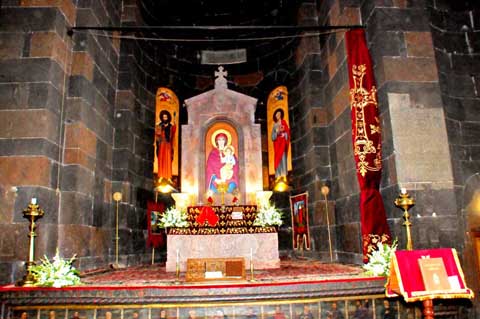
(366, 136)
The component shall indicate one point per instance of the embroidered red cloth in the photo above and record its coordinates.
(406, 277)
(366, 136)
(207, 215)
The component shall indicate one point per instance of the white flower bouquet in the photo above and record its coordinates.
(268, 215)
(379, 260)
(173, 217)
(58, 273)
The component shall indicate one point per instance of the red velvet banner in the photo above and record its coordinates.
(156, 236)
(366, 136)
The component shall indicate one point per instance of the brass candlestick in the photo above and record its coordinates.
(222, 188)
(325, 191)
(32, 213)
(177, 268)
(405, 202)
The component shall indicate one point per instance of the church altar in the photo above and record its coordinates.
(222, 166)
(233, 236)
(227, 222)
(262, 248)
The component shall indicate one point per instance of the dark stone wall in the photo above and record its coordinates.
(405, 65)
(333, 139)
(35, 55)
(457, 50)
(133, 144)
(310, 151)
(88, 221)
(455, 27)
(58, 119)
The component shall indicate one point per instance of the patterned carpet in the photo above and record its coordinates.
(155, 275)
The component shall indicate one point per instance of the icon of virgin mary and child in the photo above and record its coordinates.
(222, 168)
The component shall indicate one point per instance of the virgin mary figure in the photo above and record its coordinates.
(222, 164)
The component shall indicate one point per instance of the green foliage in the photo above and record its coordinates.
(379, 260)
(173, 217)
(58, 273)
(268, 215)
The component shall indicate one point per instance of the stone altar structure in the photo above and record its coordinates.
(231, 112)
(221, 105)
(262, 248)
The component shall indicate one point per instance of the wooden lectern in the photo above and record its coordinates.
(424, 275)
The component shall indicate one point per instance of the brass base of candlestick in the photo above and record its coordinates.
(252, 278)
(177, 274)
(29, 280)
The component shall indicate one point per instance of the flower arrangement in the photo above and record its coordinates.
(268, 215)
(379, 260)
(58, 273)
(173, 217)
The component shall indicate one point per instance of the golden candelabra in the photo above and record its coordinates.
(32, 213)
(405, 202)
(325, 190)
(222, 188)
(117, 197)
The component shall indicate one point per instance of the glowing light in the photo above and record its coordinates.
(263, 197)
(280, 185)
(182, 200)
(165, 186)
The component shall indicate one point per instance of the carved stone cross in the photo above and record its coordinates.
(220, 81)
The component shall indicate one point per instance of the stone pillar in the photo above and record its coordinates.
(333, 142)
(415, 142)
(35, 55)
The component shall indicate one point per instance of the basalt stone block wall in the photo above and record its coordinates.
(411, 111)
(455, 28)
(87, 211)
(335, 88)
(35, 55)
(310, 152)
(57, 135)
(134, 123)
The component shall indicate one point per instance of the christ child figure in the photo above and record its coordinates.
(228, 159)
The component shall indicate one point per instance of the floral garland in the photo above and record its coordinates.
(173, 217)
(268, 215)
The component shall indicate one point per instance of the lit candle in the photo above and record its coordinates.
(434, 214)
(251, 253)
(178, 256)
(403, 190)
(34, 201)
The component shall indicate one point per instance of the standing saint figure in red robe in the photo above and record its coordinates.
(165, 133)
(280, 138)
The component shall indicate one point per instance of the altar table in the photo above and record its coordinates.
(262, 247)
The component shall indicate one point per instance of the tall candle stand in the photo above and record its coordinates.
(325, 190)
(32, 213)
(252, 278)
(177, 268)
(117, 197)
(405, 202)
